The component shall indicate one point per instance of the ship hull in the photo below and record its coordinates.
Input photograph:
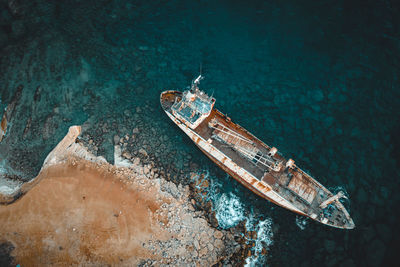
(247, 185)
(288, 187)
(239, 174)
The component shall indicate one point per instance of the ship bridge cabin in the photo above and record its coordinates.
(193, 107)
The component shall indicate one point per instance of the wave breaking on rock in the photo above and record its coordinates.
(82, 210)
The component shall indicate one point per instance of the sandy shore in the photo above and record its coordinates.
(81, 210)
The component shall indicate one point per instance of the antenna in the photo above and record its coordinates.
(196, 82)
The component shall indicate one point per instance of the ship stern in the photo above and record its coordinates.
(168, 98)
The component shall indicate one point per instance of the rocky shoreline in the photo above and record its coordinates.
(183, 229)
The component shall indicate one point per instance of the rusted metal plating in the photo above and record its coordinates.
(259, 167)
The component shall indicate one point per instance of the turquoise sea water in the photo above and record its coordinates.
(318, 80)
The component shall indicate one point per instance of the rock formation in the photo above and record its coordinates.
(9, 112)
(81, 210)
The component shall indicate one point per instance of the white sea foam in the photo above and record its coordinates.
(228, 210)
(264, 232)
(7, 186)
(2, 169)
(253, 261)
(301, 222)
(264, 238)
(6, 190)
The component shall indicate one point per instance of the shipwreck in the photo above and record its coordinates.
(257, 166)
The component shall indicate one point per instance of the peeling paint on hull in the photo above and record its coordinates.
(240, 174)
(301, 193)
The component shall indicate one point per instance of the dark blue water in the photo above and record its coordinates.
(318, 80)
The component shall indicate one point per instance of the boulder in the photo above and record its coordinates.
(3, 39)
(384, 232)
(5, 17)
(136, 161)
(116, 139)
(203, 252)
(118, 160)
(196, 244)
(361, 196)
(218, 244)
(329, 245)
(143, 152)
(318, 95)
(126, 155)
(146, 169)
(218, 234)
(375, 253)
(17, 28)
(348, 263)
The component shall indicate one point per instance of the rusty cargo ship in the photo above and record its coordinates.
(251, 162)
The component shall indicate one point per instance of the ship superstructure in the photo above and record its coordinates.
(254, 164)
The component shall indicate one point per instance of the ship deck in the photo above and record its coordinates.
(291, 183)
(277, 180)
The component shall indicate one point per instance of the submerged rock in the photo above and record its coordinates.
(3, 39)
(3, 126)
(329, 246)
(361, 195)
(9, 112)
(375, 253)
(18, 28)
(317, 95)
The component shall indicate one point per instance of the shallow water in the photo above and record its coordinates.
(318, 80)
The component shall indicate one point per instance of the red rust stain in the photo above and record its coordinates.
(3, 127)
(4, 123)
(265, 188)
